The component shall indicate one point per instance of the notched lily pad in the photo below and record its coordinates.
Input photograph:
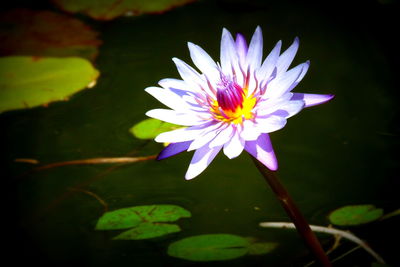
(355, 215)
(210, 247)
(150, 128)
(27, 82)
(148, 230)
(110, 9)
(26, 32)
(134, 216)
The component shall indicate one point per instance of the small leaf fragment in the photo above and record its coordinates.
(148, 230)
(150, 128)
(209, 247)
(355, 215)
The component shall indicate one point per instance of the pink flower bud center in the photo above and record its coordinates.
(230, 96)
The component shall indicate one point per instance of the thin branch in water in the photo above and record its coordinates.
(329, 230)
(390, 215)
(95, 196)
(26, 160)
(91, 161)
(53, 204)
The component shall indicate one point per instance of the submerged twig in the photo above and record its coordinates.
(328, 230)
(26, 160)
(390, 215)
(95, 196)
(95, 161)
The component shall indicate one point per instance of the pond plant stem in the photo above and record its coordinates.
(302, 227)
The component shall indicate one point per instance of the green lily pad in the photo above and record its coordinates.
(148, 230)
(110, 9)
(133, 216)
(150, 128)
(27, 82)
(210, 247)
(27, 32)
(355, 215)
(261, 248)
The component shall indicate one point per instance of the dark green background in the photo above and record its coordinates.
(340, 153)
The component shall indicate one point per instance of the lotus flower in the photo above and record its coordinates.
(232, 104)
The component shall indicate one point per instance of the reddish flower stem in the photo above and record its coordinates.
(302, 227)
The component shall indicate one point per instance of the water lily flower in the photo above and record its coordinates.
(232, 104)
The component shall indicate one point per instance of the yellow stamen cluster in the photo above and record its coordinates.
(241, 113)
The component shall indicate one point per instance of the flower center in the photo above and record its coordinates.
(232, 105)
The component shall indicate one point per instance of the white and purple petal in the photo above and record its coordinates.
(269, 64)
(283, 84)
(183, 134)
(173, 149)
(229, 56)
(262, 150)
(234, 146)
(201, 159)
(287, 57)
(204, 62)
(175, 117)
(254, 54)
(270, 123)
(189, 75)
(241, 48)
(312, 99)
(167, 97)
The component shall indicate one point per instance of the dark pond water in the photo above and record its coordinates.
(332, 155)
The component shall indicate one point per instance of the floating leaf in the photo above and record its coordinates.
(131, 217)
(261, 248)
(110, 9)
(150, 128)
(148, 230)
(44, 33)
(27, 82)
(355, 215)
(211, 247)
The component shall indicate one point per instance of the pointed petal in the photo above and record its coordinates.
(254, 54)
(291, 108)
(205, 137)
(312, 99)
(262, 150)
(306, 66)
(204, 62)
(173, 149)
(182, 134)
(270, 123)
(175, 117)
(201, 159)
(170, 83)
(234, 147)
(287, 57)
(241, 48)
(229, 56)
(167, 97)
(281, 85)
(188, 74)
(269, 63)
